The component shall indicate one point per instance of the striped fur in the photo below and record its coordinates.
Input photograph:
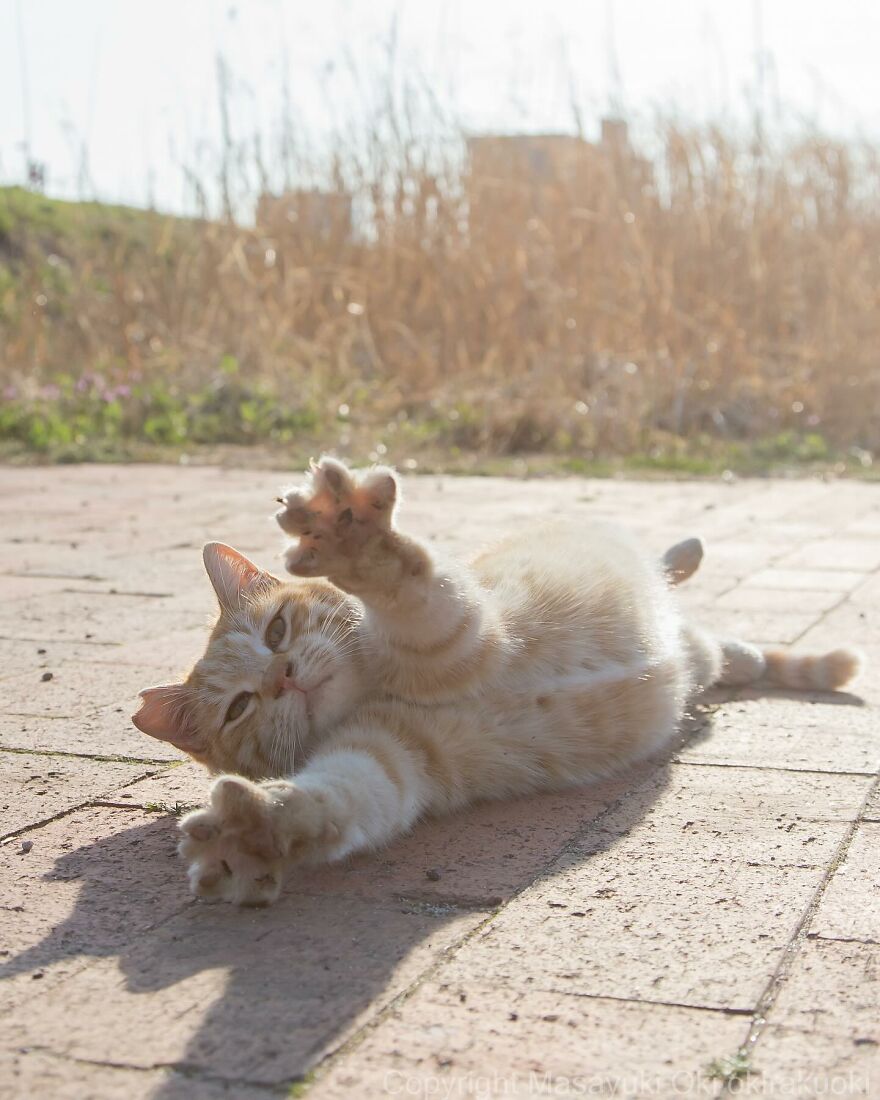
(558, 657)
(817, 672)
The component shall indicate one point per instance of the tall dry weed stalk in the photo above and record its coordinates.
(720, 289)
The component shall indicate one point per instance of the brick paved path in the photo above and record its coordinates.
(623, 936)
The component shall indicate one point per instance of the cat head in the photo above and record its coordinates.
(280, 668)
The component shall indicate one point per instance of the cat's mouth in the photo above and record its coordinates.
(287, 684)
(310, 692)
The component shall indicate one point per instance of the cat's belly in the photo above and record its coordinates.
(584, 725)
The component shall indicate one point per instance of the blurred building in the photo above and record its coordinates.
(530, 173)
(306, 214)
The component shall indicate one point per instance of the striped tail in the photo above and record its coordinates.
(820, 672)
(743, 663)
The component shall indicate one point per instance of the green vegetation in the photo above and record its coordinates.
(730, 1071)
(96, 415)
(456, 339)
(27, 217)
(301, 1087)
(98, 418)
(176, 809)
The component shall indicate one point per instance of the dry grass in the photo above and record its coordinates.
(725, 294)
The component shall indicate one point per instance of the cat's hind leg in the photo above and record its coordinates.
(743, 663)
(682, 560)
(705, 658)
(713, 661)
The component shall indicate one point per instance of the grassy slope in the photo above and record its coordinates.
(26, 216)
(231, 419)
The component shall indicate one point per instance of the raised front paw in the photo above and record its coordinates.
(342, 520)
(236, 848)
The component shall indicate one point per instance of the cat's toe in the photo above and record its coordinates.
(329, 475)
(208, 881)
(260, 890)
(238, 801)
(247, 881)
(228, 871)
(231, 849)
(294, 518)
(302, 561)
(200, 825)
(378, 490)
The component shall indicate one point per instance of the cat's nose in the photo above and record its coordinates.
(288, 681)
(280, 678)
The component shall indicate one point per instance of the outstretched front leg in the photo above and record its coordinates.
(428, 619)
(237, 847)
(365, 786)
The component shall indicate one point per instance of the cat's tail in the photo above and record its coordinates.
(823, 672)
(745, 664)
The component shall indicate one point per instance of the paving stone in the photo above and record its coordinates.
(872, 808)
(849, 909)
(253, 994)
(29, 588)
(758, 627)
(31, 1074)
(173, 657)
(34, 788)
(731, 559)
(466, 1038)
(60, 560)
(674, 885)
(480, 857)
(854, 623)
(17, 658)
(784, 600)
(832, 990)
(806, 731)
(76, 616)
(798, 1065)
(73, 689)
(94, 882)
(868, 594)
(187, 785)
(838, 510)
(804, 580)
(754, 506)
(678, 885)
(867, 525)
(860, 555)
(106, 732)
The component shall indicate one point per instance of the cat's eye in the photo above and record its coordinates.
(238, 706)
(275, 632)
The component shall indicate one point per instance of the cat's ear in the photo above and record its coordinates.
(165, 715)
(235, 579)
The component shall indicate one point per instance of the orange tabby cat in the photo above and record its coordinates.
(390, 685)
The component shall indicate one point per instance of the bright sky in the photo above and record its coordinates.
(135, 84)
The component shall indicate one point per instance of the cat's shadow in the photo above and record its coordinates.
(330, 955)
